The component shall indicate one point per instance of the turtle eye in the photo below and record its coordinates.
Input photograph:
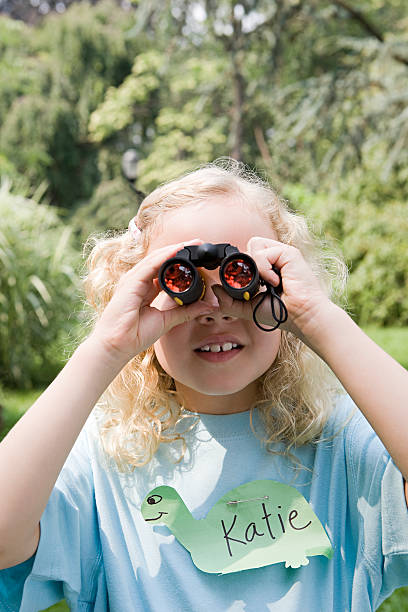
(154, 499)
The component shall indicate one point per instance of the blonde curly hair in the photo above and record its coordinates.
(141, 407)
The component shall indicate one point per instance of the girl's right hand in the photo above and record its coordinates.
(129, 324)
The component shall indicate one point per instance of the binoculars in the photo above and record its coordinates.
(180, 279)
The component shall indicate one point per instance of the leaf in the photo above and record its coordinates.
(41, 288)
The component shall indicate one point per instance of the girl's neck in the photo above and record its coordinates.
(217, 404)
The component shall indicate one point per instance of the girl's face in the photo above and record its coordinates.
(230, 384)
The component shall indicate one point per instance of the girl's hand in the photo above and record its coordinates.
(303, 296)
(129, 324)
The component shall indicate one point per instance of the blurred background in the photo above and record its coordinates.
(102, 100)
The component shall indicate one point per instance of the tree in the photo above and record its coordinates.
(306, 87)
(71, 61)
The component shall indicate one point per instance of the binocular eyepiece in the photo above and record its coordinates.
(180, 279)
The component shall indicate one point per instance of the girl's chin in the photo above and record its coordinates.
(211, 390)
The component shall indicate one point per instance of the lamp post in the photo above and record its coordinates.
(130, 160)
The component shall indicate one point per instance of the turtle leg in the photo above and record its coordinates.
(296, 560)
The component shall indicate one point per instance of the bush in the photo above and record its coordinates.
(377, 248)
(111, 207)
(38, 290)
(41, 138)
(373, 239)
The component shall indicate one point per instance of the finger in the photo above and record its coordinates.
(148, 268)
(278, 255)
(152, 294)
(229, 306)
(257, 243)
(261, 250)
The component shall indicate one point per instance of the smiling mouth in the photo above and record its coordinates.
(219, 348)
(218, 356)
(157, 517)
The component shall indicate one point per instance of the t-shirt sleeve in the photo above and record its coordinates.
(377, 486)
(68, 556)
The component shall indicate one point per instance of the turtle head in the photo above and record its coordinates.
(160, 505)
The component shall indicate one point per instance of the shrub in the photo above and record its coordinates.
(111, 207)
(39, 290)
(373, 240)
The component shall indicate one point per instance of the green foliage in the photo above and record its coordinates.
(39, 290)
(345, 104)
(373, 240)
(12, 35)
(14, 403)
(312, 94)
(50, 87)
(184, 129)
(87, 50)
(20, 71)
(120, 104)
(307, 91)
(111, 207)
(41, 137)
(377, 247)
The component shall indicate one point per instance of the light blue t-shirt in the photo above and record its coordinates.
(97, 551)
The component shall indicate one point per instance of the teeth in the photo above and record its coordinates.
(216, 348)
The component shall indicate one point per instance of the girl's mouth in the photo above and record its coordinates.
(216, 355)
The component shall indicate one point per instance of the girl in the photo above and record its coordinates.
(199, 398)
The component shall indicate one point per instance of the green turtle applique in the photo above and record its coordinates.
(256, 524)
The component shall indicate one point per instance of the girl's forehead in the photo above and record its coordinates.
(214, 220)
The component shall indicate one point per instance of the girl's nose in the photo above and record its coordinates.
(209, 295)
(213, 317)
(216, 315)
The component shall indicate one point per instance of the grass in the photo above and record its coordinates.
(62, 606)
(15, 403)
(394, 340)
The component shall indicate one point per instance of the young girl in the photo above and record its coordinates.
(198, 398)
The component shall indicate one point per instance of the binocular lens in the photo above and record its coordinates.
(178, 277)
(238, 273)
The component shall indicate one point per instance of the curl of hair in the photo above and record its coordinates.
(141, 407)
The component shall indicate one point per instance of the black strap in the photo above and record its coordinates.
(280, 316)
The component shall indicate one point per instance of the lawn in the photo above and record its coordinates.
(393, 340)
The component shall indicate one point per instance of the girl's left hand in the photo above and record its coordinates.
(303, 295)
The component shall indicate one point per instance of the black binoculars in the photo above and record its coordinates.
(180, 279)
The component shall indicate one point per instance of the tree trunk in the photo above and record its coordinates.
(237, 110)
(238, 84)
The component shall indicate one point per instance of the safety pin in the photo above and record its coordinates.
(240, 501)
